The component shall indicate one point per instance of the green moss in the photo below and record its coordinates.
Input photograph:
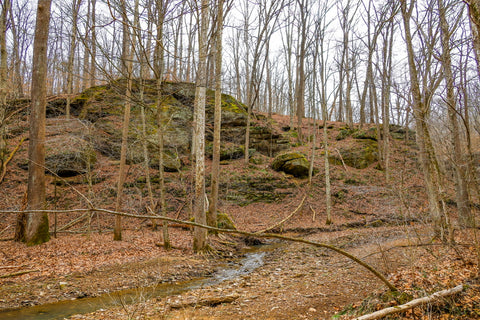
(43, 233)
(365, 134)
(359, 157)
(344, 133)
(225, 222)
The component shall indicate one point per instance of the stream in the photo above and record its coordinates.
(253, 259)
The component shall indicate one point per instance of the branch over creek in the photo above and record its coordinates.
(240, 232)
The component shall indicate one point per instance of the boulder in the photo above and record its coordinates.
(293, 163)
(69, 155)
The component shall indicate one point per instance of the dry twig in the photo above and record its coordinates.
(16, 274)
(10, 157)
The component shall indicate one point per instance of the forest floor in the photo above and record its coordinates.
(384, 224)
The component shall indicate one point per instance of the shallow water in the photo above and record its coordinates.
(64, 309)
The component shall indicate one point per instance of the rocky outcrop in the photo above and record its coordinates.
(69, 155)
(101, 107)
(362, 155)
(266, 141)
(293, 163)
(69, 148)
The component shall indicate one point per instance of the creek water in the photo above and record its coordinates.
(63, 309)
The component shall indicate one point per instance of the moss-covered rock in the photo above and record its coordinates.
(69, 147)
(370, 134)
(293, 163)
(228, 151)
(69, 155)
(344, 133)
(400, 133)
(103, 106)
(258, 187)
(361, 156)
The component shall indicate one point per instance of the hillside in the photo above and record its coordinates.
(384, 223)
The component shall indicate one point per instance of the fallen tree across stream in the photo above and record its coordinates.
(231, 231)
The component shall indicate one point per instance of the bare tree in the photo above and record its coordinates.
(268, 15)
(303, 6)
(127, 64)
(33, 228)
(212, 210)
(4, 9)
(421, 108)
(474, 14)
(465, 218)
(93, 44)
(200, 235)
(71, 55)
(162, 8)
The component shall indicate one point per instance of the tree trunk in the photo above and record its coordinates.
(200, 235)
(3, 57)
(86, 53)
(36, 224)
(71, 55)
(464, 215)
(300, 87)
(3, 80)
(474, 14)
(426, 150)
(93, 46)
(212, 210)
(18, 78)
(162, 6)
(127, 62)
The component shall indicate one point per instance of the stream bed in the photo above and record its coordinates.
(252, 259)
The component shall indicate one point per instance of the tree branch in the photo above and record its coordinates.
(245, 233)
(409, 305)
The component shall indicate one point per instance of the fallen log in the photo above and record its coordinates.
(409, 305)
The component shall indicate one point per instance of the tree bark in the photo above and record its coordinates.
(3, 79)
(162, 6)
(71, 54)
(127, 62)
(427, 153)
(474, 14)
(217, 126)
(199, 234)
(93, 45)
(3, 56)
(462, 196)
(300, 85)
(36, 228)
